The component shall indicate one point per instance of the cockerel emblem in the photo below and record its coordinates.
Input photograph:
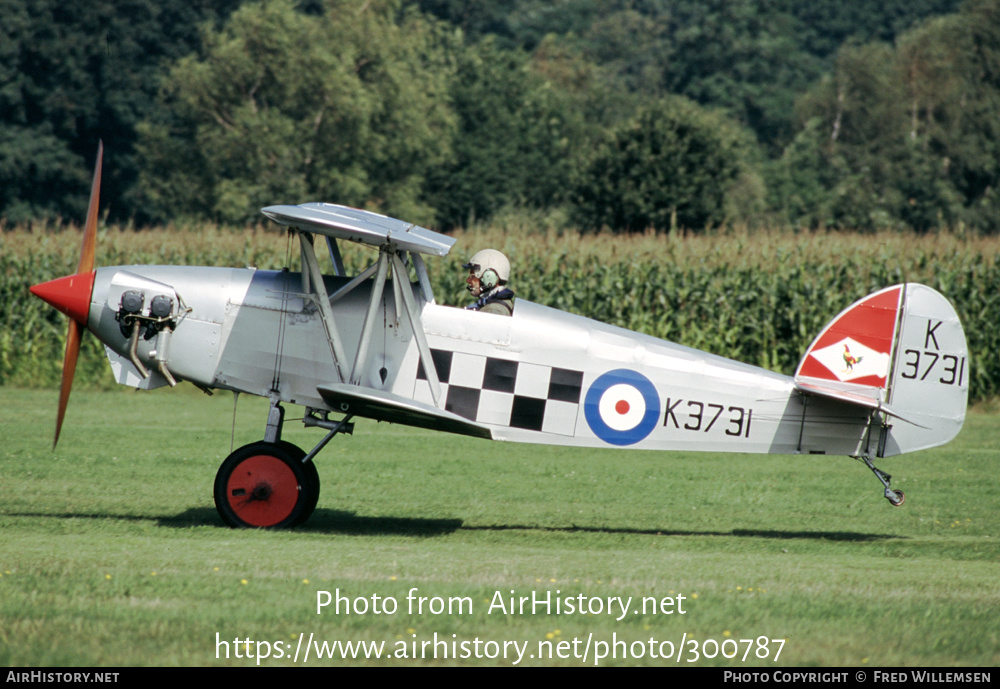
(850, 359)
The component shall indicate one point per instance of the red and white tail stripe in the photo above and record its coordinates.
(856, 347)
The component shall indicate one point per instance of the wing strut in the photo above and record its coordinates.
(346, 289)
(392, 238)
(312, 279)
(425, 280)
(311, 268)
(366, 330)
(418, 330)
(335, 257)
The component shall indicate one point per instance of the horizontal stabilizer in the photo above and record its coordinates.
(384, 406)
(853, 395)
(364, 227)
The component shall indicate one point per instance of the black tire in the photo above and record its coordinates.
(312, 477)
(265, 486)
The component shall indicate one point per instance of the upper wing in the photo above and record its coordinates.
(360, 226)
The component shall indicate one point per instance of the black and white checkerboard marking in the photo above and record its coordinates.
(501, 392)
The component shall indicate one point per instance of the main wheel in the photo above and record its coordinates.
(900, 498)
(312, 479)
(266, 485)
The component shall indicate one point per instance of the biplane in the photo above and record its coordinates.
(886, 376)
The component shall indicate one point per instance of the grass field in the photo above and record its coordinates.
(111, 552)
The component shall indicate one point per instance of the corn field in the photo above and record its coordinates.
(758, 297)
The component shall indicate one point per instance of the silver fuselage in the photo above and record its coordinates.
(539, 376)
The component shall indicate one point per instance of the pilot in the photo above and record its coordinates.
(489, 271)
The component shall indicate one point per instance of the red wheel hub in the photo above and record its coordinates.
(262, 490)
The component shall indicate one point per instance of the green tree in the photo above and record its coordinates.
(74, 72)
(672, 166)
(475, 18)
(851, 145)
(969, 139)
(515, 143)
(279, 106)
(743, 56)
(903, 135)
(750, 58)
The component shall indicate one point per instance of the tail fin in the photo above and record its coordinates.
(902, 352)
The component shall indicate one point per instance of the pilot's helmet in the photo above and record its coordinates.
(490, 266)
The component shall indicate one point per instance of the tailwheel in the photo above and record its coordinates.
(267, 486)
(895, 497)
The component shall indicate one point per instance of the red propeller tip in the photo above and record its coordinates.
(70, 294)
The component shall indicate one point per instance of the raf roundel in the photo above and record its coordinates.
(622, 407)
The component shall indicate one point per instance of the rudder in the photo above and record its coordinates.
(929, 384)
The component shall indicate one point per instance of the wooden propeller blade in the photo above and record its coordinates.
(69, 370)
(90, 229)
(75, 332)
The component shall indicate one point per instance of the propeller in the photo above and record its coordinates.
(71, 294)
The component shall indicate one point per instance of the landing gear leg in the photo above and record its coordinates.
(272, 434)
(275, 420)
(267, 485)
(895, 497)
